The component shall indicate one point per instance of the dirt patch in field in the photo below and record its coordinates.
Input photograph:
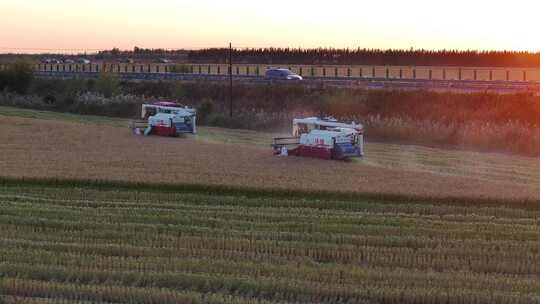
(45, 148)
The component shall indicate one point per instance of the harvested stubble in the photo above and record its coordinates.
(60, 149)
(126, 246)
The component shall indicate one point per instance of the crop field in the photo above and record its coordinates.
(90, 213)
(51, 145)
(77, 242)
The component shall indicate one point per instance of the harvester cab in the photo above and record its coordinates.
(166, 119)
(322, 138)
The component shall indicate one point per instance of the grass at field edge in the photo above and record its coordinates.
(268, 192)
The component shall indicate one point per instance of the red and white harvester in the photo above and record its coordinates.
(166, 118)
(324, 138)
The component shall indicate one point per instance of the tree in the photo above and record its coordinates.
(3, 80)
(17, 78)
(107, 84)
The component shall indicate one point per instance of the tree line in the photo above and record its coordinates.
(368, 57)
(359, 56)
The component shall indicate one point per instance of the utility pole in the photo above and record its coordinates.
(230, 81)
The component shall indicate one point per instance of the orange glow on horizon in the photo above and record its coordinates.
(104, 24)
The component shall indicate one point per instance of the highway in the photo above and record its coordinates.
(349, 82)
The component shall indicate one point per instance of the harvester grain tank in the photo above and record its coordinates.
(165, 118)
(324, 138)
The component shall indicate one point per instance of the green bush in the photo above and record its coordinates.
(159, 89)
(204, 110)
(107, 84)
(17, 78)
(3, 81)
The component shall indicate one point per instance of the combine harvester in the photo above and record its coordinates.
(322, 138)
(165, 118)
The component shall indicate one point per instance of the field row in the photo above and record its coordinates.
(141, 246)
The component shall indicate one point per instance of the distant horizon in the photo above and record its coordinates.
(64, 25)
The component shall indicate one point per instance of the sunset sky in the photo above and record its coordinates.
(104, 24)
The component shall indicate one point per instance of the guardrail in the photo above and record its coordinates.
(311, 71)
(359, 82)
